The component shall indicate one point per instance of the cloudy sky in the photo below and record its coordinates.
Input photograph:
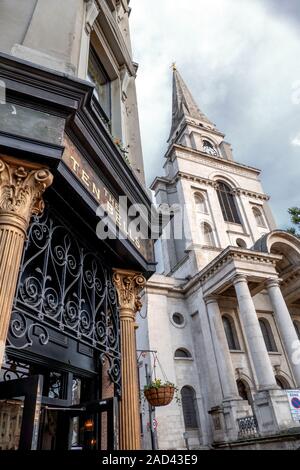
(241, 60)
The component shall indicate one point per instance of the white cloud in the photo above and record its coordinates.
(240, 61)
(296, 140)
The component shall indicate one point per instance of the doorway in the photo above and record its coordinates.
(37, 413)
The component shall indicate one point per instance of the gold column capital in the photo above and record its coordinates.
(22, 185)
(128, 285)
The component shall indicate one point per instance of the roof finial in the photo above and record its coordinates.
(173, 66)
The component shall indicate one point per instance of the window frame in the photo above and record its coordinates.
(178, 325)
(198, 195)
(259, 217)
(188, 355)
(209, 146)
(269, 338)
(210, 233)
(233, 339)
(94, 59)
(228, 203)
(189, 408)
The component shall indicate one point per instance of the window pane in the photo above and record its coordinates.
(188, 408)
(98, 76)
(230, 334)
(209, 148)
(268, 336)
(259, 217)
(242, 390)
(182, 353)
(227, 203)
(208, 236)
(11, 415)
(200, 203)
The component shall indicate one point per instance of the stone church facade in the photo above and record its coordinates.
(224, 315)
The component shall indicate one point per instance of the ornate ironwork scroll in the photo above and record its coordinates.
(64, 286)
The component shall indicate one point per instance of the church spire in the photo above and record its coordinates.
(184, 105)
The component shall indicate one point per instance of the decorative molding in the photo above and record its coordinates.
(272, 282)
(215, 162)
(22, 187)
(290, 276)
(239, 278)
(92, 11)
(233, 253)
(196, 179)
(207, 182)
(211, 300)
(252, 194)
(129, 285)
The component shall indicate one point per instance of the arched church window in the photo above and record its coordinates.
(182, 353)
(244, 391)
(188, 401)
(230, 332)
(209, 148)
(282, 383)
(268, 335)
(227, 203)
(297, 327)
(260, 221)
(200, 203)
(208, 236)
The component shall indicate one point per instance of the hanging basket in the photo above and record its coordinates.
(160, 396)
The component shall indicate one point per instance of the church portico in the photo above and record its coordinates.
(240, 275)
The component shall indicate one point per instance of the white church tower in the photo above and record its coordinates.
(224, 316)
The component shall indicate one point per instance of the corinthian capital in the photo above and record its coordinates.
(21, 188)
(128, 285)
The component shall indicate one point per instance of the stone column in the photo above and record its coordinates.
(226, 372)
(285, 324)
(128, 285)
(22, 185)
(258, 350)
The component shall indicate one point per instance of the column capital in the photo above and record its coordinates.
(211, 299)
(239, 278)
(273, 282)
(22, 185)
(129, 285)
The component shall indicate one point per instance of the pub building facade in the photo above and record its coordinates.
(69, 142)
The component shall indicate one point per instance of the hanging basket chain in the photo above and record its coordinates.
(158, 393)
(156, 362)
(162, 370)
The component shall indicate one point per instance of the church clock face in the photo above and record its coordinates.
(209, 148)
